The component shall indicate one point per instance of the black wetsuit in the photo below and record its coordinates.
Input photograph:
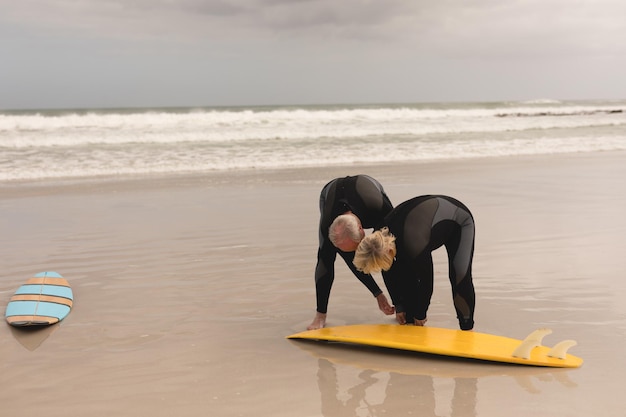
(363, 196)
(420, 226)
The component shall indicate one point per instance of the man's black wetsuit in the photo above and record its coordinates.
(420, 226)
(363, 196)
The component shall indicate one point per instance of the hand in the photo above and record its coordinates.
(318, 322)
(401, 318)
(384, 305)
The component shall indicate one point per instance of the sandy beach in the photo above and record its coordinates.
(186, 286)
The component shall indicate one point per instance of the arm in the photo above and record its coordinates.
(370, 284)
(324, 277)
(394, 287)
(366, 279)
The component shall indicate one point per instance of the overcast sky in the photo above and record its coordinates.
(127, 53)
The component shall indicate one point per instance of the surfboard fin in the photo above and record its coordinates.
(560, 349)
(532, 341)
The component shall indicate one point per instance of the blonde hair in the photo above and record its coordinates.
(376, 252)
(344, 227)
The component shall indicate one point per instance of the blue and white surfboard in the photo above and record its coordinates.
(45, 299)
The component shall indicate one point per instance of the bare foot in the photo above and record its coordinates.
(318, 322)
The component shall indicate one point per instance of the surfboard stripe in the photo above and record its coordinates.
(48, 298)
(48, 281)
(26, 320)
(24, 308)
(55, 290)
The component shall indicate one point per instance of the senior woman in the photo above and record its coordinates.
(402, 249)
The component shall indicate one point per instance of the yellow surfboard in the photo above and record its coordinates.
(450, 342)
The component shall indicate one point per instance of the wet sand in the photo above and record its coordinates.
(185, 288)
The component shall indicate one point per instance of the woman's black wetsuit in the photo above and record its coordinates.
(420, 226)
(363, 196)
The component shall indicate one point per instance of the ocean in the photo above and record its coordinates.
(43, 145)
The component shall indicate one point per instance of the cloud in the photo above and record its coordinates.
(279, 51)
(194, 19)
(487, 27)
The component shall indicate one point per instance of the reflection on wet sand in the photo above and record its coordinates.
(389, 382)
(401, 394)
(31, 337)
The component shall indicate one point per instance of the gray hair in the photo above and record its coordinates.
(346, 226)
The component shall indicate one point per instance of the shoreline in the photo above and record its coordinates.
(273, 176)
